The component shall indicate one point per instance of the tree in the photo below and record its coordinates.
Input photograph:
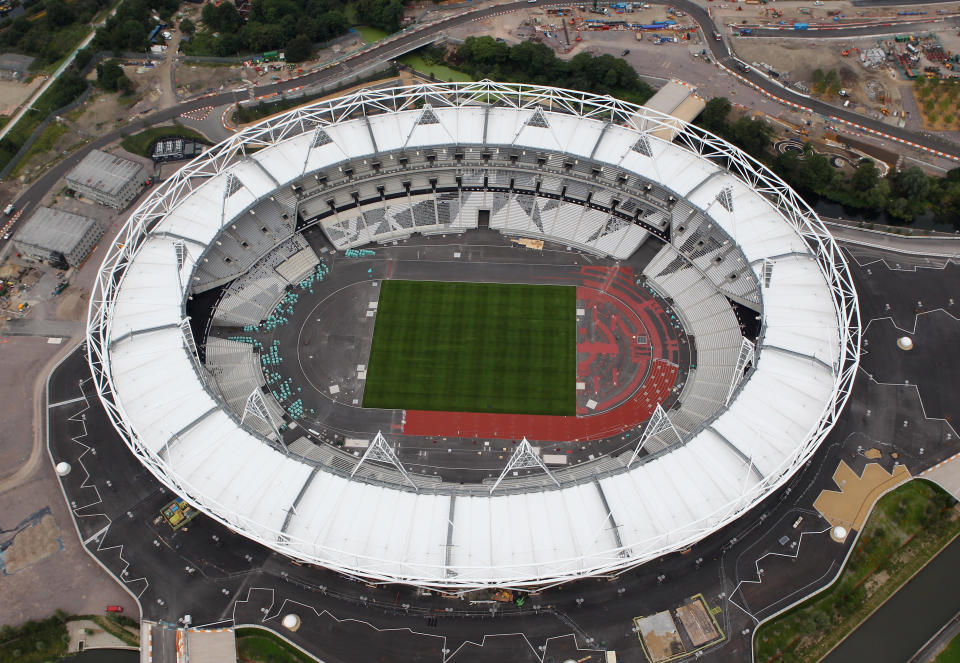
(714, 115)
(59, 13)
(383, 14)
(819, 81)
(298, 49)
(108, 75)
(750, 135)
(126, 86)
(221, 18)
(226, 45)
(187, 26)
(909, 191)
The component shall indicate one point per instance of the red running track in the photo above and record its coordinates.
(663, 375)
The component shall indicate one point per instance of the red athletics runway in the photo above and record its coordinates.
(625, 319)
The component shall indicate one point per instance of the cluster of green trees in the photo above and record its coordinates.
(289, 25)
(50, 37)
(35, 641)
(903, 195)
(383, 14)
(938, 97)
(130, 25)
(111, 78)
(826, 83)
(530, 62)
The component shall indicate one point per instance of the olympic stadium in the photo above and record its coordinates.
(311, 329)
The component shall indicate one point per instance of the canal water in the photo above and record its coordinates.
(911, 617)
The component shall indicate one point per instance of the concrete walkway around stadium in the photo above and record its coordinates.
(934, 246)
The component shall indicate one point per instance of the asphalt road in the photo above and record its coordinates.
(29, 200)
(841, 31)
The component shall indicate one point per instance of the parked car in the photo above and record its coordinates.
(114, 608)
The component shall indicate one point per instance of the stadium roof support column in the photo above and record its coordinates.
(524, 457)
(596, 145)
(373, 139)
(614, 527)
(746, 358)
(379, 450)
(257, 408)
(658, 423)
(293, 507)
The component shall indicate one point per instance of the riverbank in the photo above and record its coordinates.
(906, 529)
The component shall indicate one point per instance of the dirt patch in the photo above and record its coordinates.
(31, 544)
(876, 580)
(72, 305)
(99, 114)
(192, 78)
(697, 622)
(12, 94)
(660, 636)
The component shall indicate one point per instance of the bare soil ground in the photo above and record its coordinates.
(194, 78)
(12, 94)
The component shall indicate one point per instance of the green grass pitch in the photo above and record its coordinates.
(474, 347)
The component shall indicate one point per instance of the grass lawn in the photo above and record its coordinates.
(474, 347)
(258, 646)
(44, 143)
(34, 641)
(370, 34)
(140, 143)
(906, 528)
(951, 654)
(440, 71)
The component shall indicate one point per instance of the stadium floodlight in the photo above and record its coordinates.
(524, 457)
(191, 346)
(659, 423)
(256, 407)
(746, 358)
(775, 421)
(380, 451)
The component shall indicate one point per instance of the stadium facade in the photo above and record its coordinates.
(730, 231)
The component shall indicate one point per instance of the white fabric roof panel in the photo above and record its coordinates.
(668, 166)
(322, 156)
(518, 532)
(410, 132)
(754, 223)
(151, 293)
(798, 311)
(652, 502)
(156, 384)
(269, 486)
(352, 519)
(465, 124)
(354, 136)
(285, 160)
(256, 182)
(391, 130)
(789, 412)
(192, 217)
(573, 134)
